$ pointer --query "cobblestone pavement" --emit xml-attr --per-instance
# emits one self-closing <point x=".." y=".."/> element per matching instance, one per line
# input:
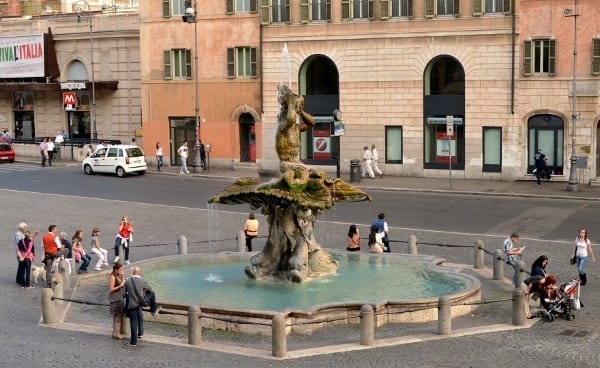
<point x="26" y="343"/>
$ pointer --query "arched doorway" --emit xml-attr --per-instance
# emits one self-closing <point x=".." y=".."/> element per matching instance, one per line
<point x="546" y="131"/>
<point x="79" y="118"/>
<point x="320" y="85"/>
<point x="247" y="138"/>
<point x="444" y="95"/>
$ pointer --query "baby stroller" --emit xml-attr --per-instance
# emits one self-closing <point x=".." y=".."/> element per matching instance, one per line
<point x="561" y="302"/>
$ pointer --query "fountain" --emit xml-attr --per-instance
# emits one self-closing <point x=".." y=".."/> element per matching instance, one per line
<point x="291" y="203"/>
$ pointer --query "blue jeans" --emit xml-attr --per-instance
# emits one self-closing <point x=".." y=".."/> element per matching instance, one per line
<point x="159" y="162"/>
<point x="85" y="262"/>
<point x="136" y="324"/>
<point x="581" y="263"/>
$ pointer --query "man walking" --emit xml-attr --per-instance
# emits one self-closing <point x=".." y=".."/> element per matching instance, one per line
<point x="374" y="159"/>
<point x="183" y="155"/>
<point x="540" y="165"/>
<point x="136" y="289"/>
<point x="366" y="164"/>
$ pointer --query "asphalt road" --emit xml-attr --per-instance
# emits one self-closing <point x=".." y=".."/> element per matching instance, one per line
<point x="164" y="207"/>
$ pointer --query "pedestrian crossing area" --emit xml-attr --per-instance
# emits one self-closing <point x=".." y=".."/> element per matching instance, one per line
<point x="7" y="167"/>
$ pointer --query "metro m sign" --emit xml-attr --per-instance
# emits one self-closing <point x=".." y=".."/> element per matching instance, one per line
<point x="69" y="100"/>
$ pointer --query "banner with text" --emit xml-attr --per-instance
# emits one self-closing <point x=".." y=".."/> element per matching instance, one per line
<point x="22" y="56"/>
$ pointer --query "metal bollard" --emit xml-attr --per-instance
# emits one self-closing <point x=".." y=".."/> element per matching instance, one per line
<point x="278" y="336"/>
<point x="63" y="268"/>
<point x="367" y="325"/>
<point x="241" y="241"/>
<point x="48" y="308"/>
<point x="182" y="245"/>
<point x="498" y="265"/>
<point x="479" y="254"/>
<point x="519" y="273"/>
<point x="194" y="325"/>
<point x="412" y="244"/>
<point x="518" y="307"/>
<point x="444" y="315"/>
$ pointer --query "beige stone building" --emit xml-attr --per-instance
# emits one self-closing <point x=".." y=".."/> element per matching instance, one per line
<point x="51" y="81"/>
<point x="399" y="70"/>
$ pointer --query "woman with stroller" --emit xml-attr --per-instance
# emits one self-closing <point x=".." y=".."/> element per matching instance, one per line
<point x="540" y="285"/>
<point x="538" y="268"/>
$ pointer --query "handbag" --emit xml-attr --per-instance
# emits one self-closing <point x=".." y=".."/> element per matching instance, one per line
<point x="573" y="260"/>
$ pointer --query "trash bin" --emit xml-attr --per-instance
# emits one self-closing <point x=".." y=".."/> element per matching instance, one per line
<point x="354" y="171"/>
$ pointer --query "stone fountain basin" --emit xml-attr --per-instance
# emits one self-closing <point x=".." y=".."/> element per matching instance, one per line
<point x="239" y="317"/>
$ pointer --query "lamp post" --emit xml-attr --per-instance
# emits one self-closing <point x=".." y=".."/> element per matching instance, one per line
<point x="93" y="112"/>
<point x="191" y="16"/>
<point x="573" y="185"/>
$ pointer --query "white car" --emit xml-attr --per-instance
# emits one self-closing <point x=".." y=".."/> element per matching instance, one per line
<point x="119" y="159"/>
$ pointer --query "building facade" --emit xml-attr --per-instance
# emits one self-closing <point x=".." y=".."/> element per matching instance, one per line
<point x="72" y="72"/>
<point x="401" y="70"/>
<point x="201" y="78"/>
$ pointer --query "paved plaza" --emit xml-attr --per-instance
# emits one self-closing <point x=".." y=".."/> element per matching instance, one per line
<point x="485" y="339"/>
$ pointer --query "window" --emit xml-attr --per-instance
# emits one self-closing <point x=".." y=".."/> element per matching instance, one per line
<point x="491" y="6"/>
<point x="173" y="7"/>
<point x="393" y="144"/>
<point x="280" y="11"/>
<point x="357" y="9"/>
<point x="241" y="6"/>
<point x="540" y="57"/>
<point x="315" y="10"/>
<point x="595" y="56"/>
<point x="546" y="132"/>
<point x="178" y="64"/>
<point x="241" y="62"/>
<point x="402" y="8"/>
<point x="441" y="7"/>
<point x="492" y="149"/>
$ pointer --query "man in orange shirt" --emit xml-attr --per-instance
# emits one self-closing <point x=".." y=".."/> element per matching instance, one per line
<point x="52" y="249"/>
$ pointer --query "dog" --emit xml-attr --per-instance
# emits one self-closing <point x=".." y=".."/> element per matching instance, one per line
<point x="37" y="273"/>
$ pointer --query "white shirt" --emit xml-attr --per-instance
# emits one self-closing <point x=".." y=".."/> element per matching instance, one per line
<point x="159" y="151"/>
<point x="183" y="151"/>
<point x="50" y="146"/>
<point x="581" y="246"/>
<point x="374" y="154"/>
<point x="367" y="155"/>
<point x="59" y="139"/>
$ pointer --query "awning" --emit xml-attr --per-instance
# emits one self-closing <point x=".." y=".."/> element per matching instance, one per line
<point x="56" y="86"/>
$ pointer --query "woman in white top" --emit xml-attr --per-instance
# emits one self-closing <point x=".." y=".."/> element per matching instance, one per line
<point x="159" y="155"/>
<point x="583" y="246"/>
<point x="375" y="240"/>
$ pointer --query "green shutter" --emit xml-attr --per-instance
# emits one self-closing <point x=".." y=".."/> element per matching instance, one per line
<point x="370" y="9"/>
<point x="527" y="65"/>
<point x="595" y="56"/>
<point x="168" y="70"/>
<point x="410" y="9"/>
<point x="253" y="62"/>
<point x="429" y="10"/>
<point x="457" y="8"/>
<point x="328" y="15"/>
<point x="188" y="64"/>
<point x="304" y="14"/>
<point x="166" y="8"/>
<point x="265" y="11"/>
<point x="346" y="9"/>
<point x="287" y="11"/>
<point x="230" y="62"/>
<point x="253" y="6"/>
<point x="230" y="7"/>
<point x="507" y="6"/>
<point x="384" y="9"/>
<point x="552" y="57"/>
<point x="477" y="8"/>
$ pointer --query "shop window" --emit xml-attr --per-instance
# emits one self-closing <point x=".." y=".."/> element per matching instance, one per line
<point x="393" y="144"/>
<point x="492" y="149"/>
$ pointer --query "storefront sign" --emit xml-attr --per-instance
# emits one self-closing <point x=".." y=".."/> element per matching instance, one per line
<point x="72" y="85"/>
<point x="69" y="101"/>
<point x="22" y="56"/>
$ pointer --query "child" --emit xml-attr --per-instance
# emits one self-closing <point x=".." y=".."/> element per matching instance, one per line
<point x="100" y="252"/>
<point x="79" y="252"/>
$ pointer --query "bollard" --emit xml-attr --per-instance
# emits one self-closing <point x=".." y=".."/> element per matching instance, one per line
<point x="412" y="244"/>
<point x="125" y="328"/>
<point x="278" y="336"/>
<point x="63" y="268"/>
<point x="444" y="315"/>
<point x="241" y="241"/>
<point x="194" y="325"/>
<point x="367" y="325"/>
<point x="182" y="245"/>
<point x="518" y="309"/>
<point x="519" y="276"/>
<point x="479" y="254"/>
<point x="498" y="265"/>
<point x="48" y="308"/>
<point x="58" y="287"/>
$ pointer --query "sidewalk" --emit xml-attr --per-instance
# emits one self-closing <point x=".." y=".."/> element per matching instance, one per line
<point x="556" y="189"/>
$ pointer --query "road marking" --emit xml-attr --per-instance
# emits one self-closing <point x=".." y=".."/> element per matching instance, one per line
<point x="7" y="167"/>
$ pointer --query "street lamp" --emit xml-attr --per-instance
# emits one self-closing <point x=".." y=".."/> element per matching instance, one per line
<point x="573" y="185"/>
<point x="89" y="11"/>
<point x="191" y="16"/>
